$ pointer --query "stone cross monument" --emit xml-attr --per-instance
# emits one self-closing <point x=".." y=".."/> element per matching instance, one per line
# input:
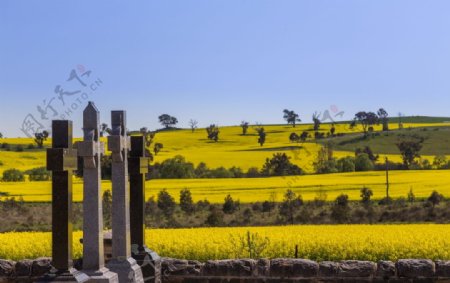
<point x="61" y="160"/>
<point x="148" y="260"/>
<point x="118" y="143"/>
<point x="90" y="150"/>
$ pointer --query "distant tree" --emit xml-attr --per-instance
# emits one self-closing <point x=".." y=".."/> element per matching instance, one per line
<point x="366" y="119"/>
<point x="325" y="162"/>
<point x="157" y="148"/>
<point x="294" y="137"/>
<point x="280" y="165"/>
<point x="366" y="195"/>
<point x="193" y="124"/>
<point x="340" y="211"/>
<point x="244" y="126"/>
<point x="176" y="168"/>
<point x="38" y="174"/>
<point x="411" y="196"/>
<point x="435" y="198"/>
<point x="13" y="175"/>
<point x="186" y="202"/>
<point x="40" y="138"/>
<point x="291" y="117"/>
<point x="440" y="162"/>
<point x="213" y="132"/>
<point x="261" y="135"/>
<point x="253" y="172"/>
<point x="215" y="217"/>
<point x="166" y="203"/>
<point x="202" y="170"/>
<point x="304" y="136"/>
<point x="1" y="135"/>
<point x="410" y="149"/>
<point x="346" y="164"/>
<point x="316" y="121"/>
<point x="104" y="129"/>
<point x="230" y="206"/>
<point x="363" y="163"/>
<point x="332" y="130"/>
<point x="167" y="121"/>
<point x="369" y="152"/>
<point x="291" y="203"/>
<point x="383" y="116"/>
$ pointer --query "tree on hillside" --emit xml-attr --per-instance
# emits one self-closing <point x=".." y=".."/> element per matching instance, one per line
<point x="213" y="132"/>
<point x="244" y="126"/>
<point x="368" y="150"/>
<point x="261" y="135"/>
<point x="157" y="148"/>
<point x="291" y="117"/>
<point x="291" y="203"/>
<point x="316" y="121"/>
<point x="280" y="165"/>
<point x="366" y="119"/>
<point x="167" y="121"/>
<point x="410" y="149"/>
<point x="186" y="202"/>
<point x="193" y="124"/>
<point x="40" y="138"/>
<point x="383" y="116"/>
<point x="304" y="136"/>
<point x="294" y="137"/>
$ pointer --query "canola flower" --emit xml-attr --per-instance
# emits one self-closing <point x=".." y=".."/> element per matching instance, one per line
<point x="320" y="243"/>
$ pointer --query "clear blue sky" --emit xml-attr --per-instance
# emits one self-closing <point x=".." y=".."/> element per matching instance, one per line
<point x="224" y="61"/>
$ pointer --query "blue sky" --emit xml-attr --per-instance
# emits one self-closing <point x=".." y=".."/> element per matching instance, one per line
<point x="224" y="61"/>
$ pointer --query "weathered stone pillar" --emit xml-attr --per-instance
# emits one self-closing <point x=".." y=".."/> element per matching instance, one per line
<point x="90" y="149"/>
<point x="61" y="160"/>
<point x="122" y="263"/>
<point x="148" y="260"/>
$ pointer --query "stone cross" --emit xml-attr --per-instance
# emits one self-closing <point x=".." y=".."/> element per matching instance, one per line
<point x="61" y="160"/>
<point x="90" y="150"/>
<point x="148" y="260"/>
<point x="118" y="143"/>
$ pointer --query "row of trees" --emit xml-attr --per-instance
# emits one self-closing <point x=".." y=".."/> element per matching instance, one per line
<point x="288" y="209"/>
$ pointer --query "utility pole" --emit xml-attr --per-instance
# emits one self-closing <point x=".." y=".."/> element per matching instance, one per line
<point x="387" y="179"/>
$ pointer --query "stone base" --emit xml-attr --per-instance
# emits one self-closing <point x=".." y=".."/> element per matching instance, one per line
<point x="103" y="275"/>
<point x="128" y="270"/>
<point x="72" y="275"/>
<point x="150" y="264"/>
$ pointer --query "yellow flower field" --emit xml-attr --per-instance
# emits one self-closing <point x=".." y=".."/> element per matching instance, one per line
<point x="346" y="242"/>
<point x="260" y="189"/>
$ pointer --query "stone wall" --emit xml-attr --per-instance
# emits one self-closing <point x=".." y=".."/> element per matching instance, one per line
<point x="276" y="270"/>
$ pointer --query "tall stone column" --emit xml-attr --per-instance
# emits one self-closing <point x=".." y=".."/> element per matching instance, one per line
<point x="91" y="149"/>
<point x="148" y="260"/>
<point x="122" y="263"/>
<point x="61" y="160"/>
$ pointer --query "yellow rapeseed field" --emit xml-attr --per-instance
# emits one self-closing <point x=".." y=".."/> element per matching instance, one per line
<point x="260" y="189"/>
<point x="346" y="242"/>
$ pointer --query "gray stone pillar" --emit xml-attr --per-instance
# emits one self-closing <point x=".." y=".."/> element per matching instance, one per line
<point x="122" y="263"/>
<point x="91" y="149"/>
<point x="148" y="260"/>
<point x="61" y="160"/>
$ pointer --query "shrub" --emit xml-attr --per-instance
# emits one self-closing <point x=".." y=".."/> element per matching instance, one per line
<point x="215" y="217"/>
<point x="176" y="168"/>
<point x="253" y="172"/>
<point x="39" y="174"/>
<point x="280" y="165"/>
<point x="221" y="172"/>
<point x="19" y="148"/>
<point x="435" y="198"/>
<point x="13" y="175"/>
<point x="346" y="164"/>
<point x="166" y="203"/>
<point x="186" y="203"/>
<point x="230" y="206"/>
<point x="363" y="163"/>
